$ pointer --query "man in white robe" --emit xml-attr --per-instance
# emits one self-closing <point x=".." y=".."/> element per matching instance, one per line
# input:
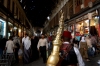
<point x="27" y="44"/>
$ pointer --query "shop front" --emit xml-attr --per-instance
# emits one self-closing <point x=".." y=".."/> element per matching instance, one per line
<point x="85" y="25"/>
<point x="19" y="31"/>
<point x="10" y="29"/>
<point x="2" y="28"/>
<point x="82" y="27"/>
<point x="88" y="26"/>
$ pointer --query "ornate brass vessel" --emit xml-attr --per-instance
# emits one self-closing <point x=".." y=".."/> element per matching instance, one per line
<point x="54" y="57"/>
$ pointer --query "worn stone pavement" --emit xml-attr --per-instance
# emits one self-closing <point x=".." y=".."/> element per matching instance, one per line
<point x="39" y="62"/>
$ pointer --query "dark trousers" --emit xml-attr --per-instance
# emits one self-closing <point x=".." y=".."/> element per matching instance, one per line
<point x="95" y="46"/>
<point x="16" y="54"/>
<point x="43" y="53"/>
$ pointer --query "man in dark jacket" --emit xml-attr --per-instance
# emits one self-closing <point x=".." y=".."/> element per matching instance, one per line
<point x="2" y="45"/>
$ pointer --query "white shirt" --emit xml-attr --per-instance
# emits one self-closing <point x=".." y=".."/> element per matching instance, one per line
<point x="26" y="42"/>
<point x="42" y="42"/>
<point x="16" y="40"/>
<point x="9" y="46"/>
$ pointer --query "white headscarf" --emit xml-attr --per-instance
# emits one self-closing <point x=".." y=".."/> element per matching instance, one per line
<point x="83" y="39"/>
<point x="27" y="42"/>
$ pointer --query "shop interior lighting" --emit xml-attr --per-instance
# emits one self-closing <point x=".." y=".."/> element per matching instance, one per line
<point x="4" y="26"/>
<point x="41" y="32"/>
<point x="9" y="23"/>
<point x="24" y="7"/>
<point x="96" y="11"/>
<point x="11" y="30"/>
<point x="82" y="24"/>
<point x="94" y="24"/>
<point x="97" y="17"/>
<point x="86" y="21"/>
<point x="15" y="28"/>
<point x="19" y="30"/>
<point x="9" y="34"/>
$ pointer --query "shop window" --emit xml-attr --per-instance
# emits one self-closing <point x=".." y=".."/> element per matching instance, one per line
<point x="79" y="28"/>
<point x="2" y="28"/>
<point x="10" y="29"/>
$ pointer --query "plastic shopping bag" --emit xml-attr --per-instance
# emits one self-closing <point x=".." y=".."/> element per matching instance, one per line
<point x="20" y="52"/>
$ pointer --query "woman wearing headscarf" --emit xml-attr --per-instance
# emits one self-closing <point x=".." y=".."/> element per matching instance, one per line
<point x="34" y="50"/>
<point x="83" y="48"/>
<point x="90" y="47"/>
<point x="27" y="44"/>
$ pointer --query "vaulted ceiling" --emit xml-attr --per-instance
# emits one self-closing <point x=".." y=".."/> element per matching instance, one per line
<point x="37" y="11"/>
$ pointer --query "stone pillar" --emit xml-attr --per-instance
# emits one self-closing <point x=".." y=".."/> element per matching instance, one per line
<point x="89" y="17"/>
<point x="99" y="20"/>
<point x="11" y="5"/>
<point x="74" y="6"/>
<point x="74" y="27"/>
<point x="7" y="27"/>
<point x="5" y="3"/>
<point x="15" y="8"/>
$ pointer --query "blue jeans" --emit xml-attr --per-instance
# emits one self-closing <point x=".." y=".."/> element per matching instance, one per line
<point x="91" y="51"/>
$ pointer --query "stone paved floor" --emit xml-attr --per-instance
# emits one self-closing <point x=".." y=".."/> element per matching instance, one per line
<point x="39" y="62"/>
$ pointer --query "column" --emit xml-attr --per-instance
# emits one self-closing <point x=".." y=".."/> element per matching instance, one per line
<point x="89" y="17"/>
<point x="7" y="27"/>
<point x="74" y="28"/>
<point x="15" y="9"/>
<point x="5" y="3"/>
<point x="99" y="20"/>
<point x="11" y="5"/>
<point x="74" y="6"/>
<point x="68" y="15"/>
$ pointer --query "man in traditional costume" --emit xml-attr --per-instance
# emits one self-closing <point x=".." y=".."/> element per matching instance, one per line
<point x="73" y="53"/>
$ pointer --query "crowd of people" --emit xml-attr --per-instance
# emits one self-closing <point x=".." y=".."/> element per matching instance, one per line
<point x="32" y="47"/>
<point x="81" y="50"/>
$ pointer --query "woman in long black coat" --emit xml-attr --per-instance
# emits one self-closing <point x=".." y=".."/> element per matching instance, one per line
<point x="34" y="50"/>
